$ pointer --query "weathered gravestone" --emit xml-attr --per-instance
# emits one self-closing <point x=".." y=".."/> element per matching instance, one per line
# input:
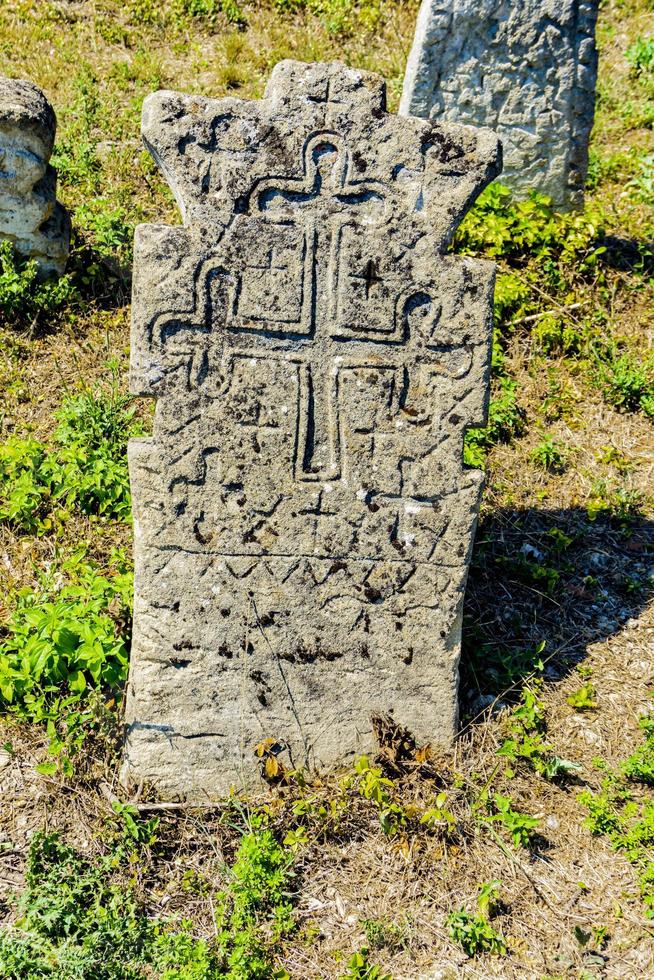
<point x="527" y="70"/>
<point x="30" y="216"/>
<point x="303" y="520"/>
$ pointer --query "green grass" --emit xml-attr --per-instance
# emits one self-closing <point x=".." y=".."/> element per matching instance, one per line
<point x="26" y="298"/>
<point x="84" y="469"/>
<point x="81" y="919"/>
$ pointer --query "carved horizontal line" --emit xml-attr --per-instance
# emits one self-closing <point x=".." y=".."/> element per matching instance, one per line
<point x="169" y="731"/>
<point x="295" y="557"/>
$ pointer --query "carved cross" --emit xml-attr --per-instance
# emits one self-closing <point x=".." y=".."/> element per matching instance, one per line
<point x="323" y="201"/>
<point x="319" y="204"/>
<point x="368" y="276"/>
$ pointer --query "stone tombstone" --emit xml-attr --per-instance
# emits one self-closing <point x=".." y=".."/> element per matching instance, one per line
<point x="527" y="70"/>
<point x="303" y="520"/>
<point x="30" y="216"/>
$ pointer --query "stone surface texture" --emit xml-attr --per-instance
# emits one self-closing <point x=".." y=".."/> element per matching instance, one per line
<point x="30" y="216"/>
<point x="303" y="521"/>
<point x="527" y="70"/>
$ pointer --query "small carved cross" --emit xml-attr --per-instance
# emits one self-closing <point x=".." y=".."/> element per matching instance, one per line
<point x="369" y="276"/>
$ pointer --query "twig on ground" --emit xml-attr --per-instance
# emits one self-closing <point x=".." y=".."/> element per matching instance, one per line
<point x="538" y="316"/>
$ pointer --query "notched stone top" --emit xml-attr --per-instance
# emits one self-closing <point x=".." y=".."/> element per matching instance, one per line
<point x="210" y="150"/>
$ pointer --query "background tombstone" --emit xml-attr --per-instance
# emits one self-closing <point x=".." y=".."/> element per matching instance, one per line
<point x="303" y="521"/>
<point x="30" y="216"/>
<point x="528" y="70"/>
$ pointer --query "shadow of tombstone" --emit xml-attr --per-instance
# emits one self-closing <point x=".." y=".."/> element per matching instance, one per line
<point x="543" y="586"/>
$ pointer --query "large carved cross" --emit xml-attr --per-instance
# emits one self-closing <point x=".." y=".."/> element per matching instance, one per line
<point x="283" y="305"/>
<point x="322" y="201"/>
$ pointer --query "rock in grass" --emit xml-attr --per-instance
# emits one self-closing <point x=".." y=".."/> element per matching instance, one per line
<point x="30" y="216"/>
<point x="528" y="70"/>
<point x="303" y="520"/>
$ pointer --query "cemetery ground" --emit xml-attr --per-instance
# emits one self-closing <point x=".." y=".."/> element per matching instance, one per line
<point x="525" y="852"/>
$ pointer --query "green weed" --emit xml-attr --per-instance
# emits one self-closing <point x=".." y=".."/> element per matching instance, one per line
<point x="549" y="455"/>
<point x="145" y="12"/>
<point x="640" y="55"/>
<point x="519" y="825"/>
<point x="86" y="469"/>
<point x="558" y="541"/>
<point x="543" y="577"/>
<point x="474" y="931"/>
<point x="101" y="420"/>
<point x="27" y="476"/>
<point x="505" y="421"/>
<point x="257" y="899"/>
<point x="640" y="765"/>
<point x="339" y="17"/>
<point x="584" y="699"/>
<point x="134" y="833"/>
<point x="142" y="72"/>
<point x="25" y="297"/>
<point x="641" y="184"/>
<point x="638" y="113"/>
<point x="555" y="333"/>
<point x="372" y="785"/>
<point x="439" y="816"/>
<point x="503" y="228"/>
<point x="606" y="166"/>
<point x="627" y="824"/>
<point x="322" y="815"/>
<point x="499" y="666"/>
<point x="77" y="919"/>
<point x="62" y="644"/>
<point x="627" y="382"/>
<point x="359" y="967"/>
<point x="513" y="298"/>
<point x="210" y="9"/>
<point x="560" y="399"/>
<point x="75" y="156"/>
<point x="620" y="504"/>
<point x="179" y="14"/>
<point x="109" y="228"/>
<point x="384" y="935"/>
<point x="610" y="456"/>
<point x="527" y="742"/>
<point x="547" y="263"/>
<point x="73" y="921"/>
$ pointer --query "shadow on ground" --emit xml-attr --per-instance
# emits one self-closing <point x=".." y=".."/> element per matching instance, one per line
<point x="544" y="584"/>
<point x="628" y="254"/>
